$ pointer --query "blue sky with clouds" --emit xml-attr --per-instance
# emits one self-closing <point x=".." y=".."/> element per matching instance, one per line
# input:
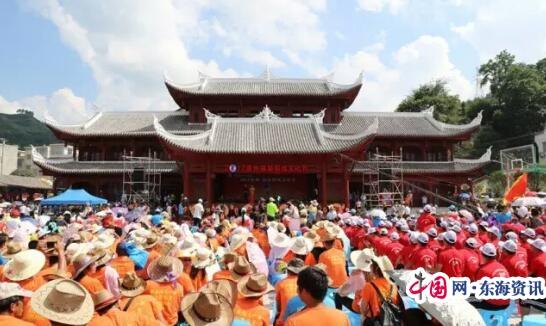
<point x="71" y="57"/>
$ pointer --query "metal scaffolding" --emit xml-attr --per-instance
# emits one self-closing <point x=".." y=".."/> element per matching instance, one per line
<point x="383" y="182"/>
<point x="141" y="179"/>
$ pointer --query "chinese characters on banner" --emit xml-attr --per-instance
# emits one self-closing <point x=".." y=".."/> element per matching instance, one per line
<point x="439" y="287"/>
<point x="270" y="168"/>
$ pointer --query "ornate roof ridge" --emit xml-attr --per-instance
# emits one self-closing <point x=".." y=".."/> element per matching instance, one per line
<point x="486" y="157"/>
<point x="371" y="130"/>
<point x="164" y="134"/>
<point x="271" y="78"/>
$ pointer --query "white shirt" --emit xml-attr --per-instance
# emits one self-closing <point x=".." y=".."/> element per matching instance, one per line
<point x="198" y="210"/>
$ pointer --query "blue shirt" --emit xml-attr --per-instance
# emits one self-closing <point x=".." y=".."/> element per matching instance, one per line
<point x="296" y="304"/>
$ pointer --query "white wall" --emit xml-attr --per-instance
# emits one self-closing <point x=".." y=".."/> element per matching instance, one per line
<point x="8" y="158"/>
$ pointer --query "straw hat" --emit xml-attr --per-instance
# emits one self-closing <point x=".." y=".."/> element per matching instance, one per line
<point x="12" y="248"/>
<point x="187" y="248"/>
<point x="75" y="249"/>
<point x="296" y="265"/>
<point x="281" y="240"/>
<point x="81" y="262"/>
<point x="131" y="285"/>
<point x="24" y="265"/>
<point x="104" y="240"/>
<point x="103" y="299"/>
<point x="63" y="301"/>
<point x="56" y="275"/>
<point x="203" y="258"/>
<point x="8" y="290"/>
<point x="206" y="308"/>
<point x="210" y="233"/>
<point x="200" y="238"/>
<point x="241" y="268"/>
<point x="103" y="256"/>
<point x="150" y="241"/>
<point x="362" y="259"/>
<point x="254" y="285"/>
<point x="237" y="240"/>
<point x="302" y="246"/>
<point x="312" y="235"/>
<point x="226" y="288"/>
<point x="329" y="234"/>
<point x="165" y="268"/>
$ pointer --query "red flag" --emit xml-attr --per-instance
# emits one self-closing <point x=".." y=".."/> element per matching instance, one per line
<point x="517" y="190"/>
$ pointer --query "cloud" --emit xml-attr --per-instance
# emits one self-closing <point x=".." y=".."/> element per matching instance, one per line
<point x="62" y="104"/>
<point x="416" y="63"/>
<point x="129" y="44"/>
<point x="393" y="6"/>
<point x="505" y="24"/>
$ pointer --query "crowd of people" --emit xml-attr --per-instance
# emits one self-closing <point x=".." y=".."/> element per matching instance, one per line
<point x="272" y="263"/>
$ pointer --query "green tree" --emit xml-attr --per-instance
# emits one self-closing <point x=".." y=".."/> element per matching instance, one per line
<point x="447" y="107"/>
<point x="517" y="94"/>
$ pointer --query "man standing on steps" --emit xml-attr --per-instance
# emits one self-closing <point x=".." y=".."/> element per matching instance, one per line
<point x="198" y="211"/>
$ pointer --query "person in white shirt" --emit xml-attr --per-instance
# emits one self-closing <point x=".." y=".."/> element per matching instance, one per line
<point x="198" y="211"/>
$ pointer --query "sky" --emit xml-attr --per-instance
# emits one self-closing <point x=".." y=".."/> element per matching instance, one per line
<point x="68" y="59"/>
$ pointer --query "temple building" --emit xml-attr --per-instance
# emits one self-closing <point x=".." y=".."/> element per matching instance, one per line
<point x="235" y="139"/>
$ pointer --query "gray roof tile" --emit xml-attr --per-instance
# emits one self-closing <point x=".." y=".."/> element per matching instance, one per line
<point x="398" y="124"/>
<point x="130" y="123"/>
<point x="265" y="86"/>
<point x="266" y="134"/>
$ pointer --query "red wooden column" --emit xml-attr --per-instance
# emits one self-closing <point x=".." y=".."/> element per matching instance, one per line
<point x="324" y="185"/>
<point x="208" y="184"/>
<point x="346" y="199"/>
<point x="186" y="180"/>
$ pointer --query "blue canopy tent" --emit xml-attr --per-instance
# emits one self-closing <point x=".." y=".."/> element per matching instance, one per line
<point x="74" y="197"/>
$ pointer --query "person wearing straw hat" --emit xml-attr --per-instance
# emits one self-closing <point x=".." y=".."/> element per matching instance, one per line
<point x="376" y="289"/>
<point x="251" y="289"/>
<point x="85" y="266"/>
<point x="198" y="273"/>
<point x="362" y="260"/>
<point x="206" y="308"/>
<point x="134" y="300"/>
<point x="151" y="246"/>
<point x="64" y="302"/>
<point x="301" y="248"/>
<point x="108" y="312"/>
<point x="260" y="234"/>
<point x="225" y="262"/>
<point x="213" y="305"/>
<point x="163" y="285"/>
<point x="312" y="287"/>
<point x="24" y="268"/>
<point x="11" y="304"/>
<point x="334" y="259"/>
<point x="287" y="289"/>
<point x="105" y="273"/>
<point x="237" y="243"/>
<point x="240" y="268"/>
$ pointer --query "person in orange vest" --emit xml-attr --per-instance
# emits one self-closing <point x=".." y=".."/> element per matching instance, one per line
<point x="11" y="304"/>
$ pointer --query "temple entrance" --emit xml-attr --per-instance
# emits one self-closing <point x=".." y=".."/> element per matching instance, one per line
<point x="240" y="188"/>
